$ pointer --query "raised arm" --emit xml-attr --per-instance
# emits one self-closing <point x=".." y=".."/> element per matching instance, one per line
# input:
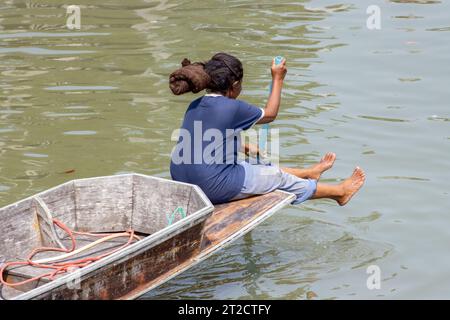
<point x="273" y="104"/>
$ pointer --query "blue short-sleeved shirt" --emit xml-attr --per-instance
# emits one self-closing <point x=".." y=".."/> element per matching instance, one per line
<point x="207" y="150"/>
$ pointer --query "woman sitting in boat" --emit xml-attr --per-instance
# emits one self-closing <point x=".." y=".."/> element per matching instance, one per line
<point x="207" y="149"/>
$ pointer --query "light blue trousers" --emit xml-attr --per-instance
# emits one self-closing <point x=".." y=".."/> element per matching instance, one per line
<point x="262" y="179"/>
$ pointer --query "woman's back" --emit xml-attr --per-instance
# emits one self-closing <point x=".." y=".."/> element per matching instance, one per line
<point x="207" y="150"/>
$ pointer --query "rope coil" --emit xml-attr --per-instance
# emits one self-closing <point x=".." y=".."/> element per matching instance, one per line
<point x="57" y="264"/>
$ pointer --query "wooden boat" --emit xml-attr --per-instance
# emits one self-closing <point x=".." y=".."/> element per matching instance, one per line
<point x="176" y="223"/>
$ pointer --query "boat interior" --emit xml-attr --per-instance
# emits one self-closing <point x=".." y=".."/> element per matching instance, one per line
<point x="107" y="209"/>
<point x="90" y="209"/>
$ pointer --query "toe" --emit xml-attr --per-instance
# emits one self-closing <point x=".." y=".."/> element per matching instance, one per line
<point x="333" y="156"/>
<point x="329" y="157"/>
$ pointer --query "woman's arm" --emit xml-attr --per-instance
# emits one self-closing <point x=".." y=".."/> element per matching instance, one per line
<point x="273" y="104"/>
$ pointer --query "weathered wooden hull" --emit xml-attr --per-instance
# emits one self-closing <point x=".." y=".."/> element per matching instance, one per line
<point x="164" y="254"/>
<point x="105" y="204"/>
<point x="115" y="279"/>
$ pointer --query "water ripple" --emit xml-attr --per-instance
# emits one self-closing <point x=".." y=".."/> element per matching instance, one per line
<point x="42" y="51"/>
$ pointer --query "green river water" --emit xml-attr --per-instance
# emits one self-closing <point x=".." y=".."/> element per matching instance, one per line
<point x="96" y="101"/>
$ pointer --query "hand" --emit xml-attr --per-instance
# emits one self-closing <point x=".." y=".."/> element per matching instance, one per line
<point x="279" y="71"/>
<point x="251" y="150"/>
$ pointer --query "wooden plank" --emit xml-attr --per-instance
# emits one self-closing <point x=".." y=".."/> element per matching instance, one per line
<point x="19" y="230"/>
<point x="229" y="218"/>
<point x="61" y="202"/>
<point x="49" y="236"/>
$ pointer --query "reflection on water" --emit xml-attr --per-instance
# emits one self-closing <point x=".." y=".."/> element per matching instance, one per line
<point x="79" y="88"/>
<point x="49" y="34"/>
<point x="95" y="101"/>
<point x="287" y="253"/>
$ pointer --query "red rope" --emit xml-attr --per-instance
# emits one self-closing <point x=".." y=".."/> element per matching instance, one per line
<point x="60" y="267"/>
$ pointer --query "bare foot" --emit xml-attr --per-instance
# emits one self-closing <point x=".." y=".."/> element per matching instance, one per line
<point x="351" y="185"/>
<point x="325" y="163"/>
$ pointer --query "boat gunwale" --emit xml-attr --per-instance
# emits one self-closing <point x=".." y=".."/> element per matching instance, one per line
<point x="130" y="251"/>
<point x="103" y="177"/>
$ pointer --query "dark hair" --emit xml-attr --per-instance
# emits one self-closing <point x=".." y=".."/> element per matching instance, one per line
<point x="223" y="70"/>
<point x="216" y="75"/>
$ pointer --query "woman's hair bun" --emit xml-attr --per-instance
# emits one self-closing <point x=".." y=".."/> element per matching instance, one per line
<point x="217" y="75"/>
<point x="189" y="78"/>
